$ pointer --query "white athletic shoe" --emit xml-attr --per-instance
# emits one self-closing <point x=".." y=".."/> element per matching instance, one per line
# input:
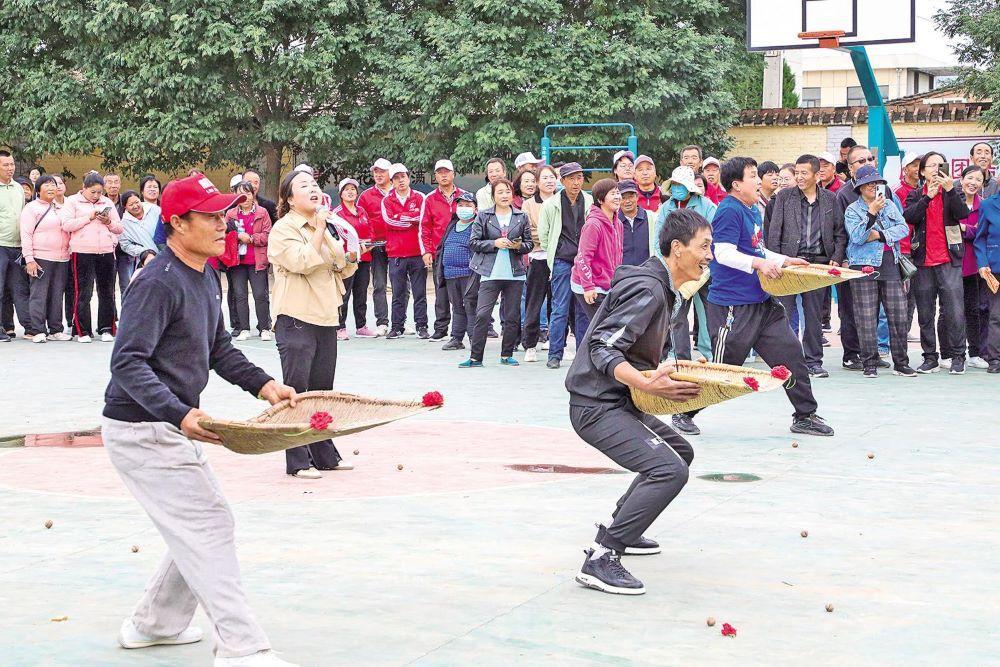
<point x="568" y="353"/>
<point x="60" y="337"/>
<point x="530" y="355"/>
<point x="84" y="339"/>
<point x="409" y="330"/>
<point x="266" y="658"/>
<point x="129" y="637"/>
<point x="344" y="466"/>
<point x="977" y="362"/>
<point x="107" y="338"/>
<point x="266" y="335"/>
<point x="308" y="473"/>
<point x="545" y="345"/>
<point x="944" y="363"/>
<point x="38" y="338"/>
<point x="244" y="335"/>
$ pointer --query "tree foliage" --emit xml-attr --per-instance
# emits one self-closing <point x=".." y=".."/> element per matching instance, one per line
<point x="174" y="83"/>
<point x="975" y="28"/>
<point x="749" y="90"/>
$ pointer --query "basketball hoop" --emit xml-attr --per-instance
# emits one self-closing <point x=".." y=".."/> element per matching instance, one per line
<point x="828" y="39"/>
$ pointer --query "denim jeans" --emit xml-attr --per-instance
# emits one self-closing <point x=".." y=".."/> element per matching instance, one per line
<point x="561" y="299"/>
<point x="882" y="331"/>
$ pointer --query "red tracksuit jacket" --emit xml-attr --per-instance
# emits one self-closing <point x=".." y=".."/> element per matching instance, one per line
<point x="650" y="201"/>
<point x="402" y="224"/>
<point x="371" y="201"/>
<point x="437" y="214"/>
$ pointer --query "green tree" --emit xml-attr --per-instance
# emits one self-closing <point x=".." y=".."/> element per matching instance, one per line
<point x="174" y="83"/>
<point x="975" y="29"/>
<point x="749" y="93"/>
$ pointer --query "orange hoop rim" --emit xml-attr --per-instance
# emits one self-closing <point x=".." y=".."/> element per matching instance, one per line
<point x="828" y="39"/>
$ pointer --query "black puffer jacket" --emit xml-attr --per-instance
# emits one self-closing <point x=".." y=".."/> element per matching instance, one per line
<point x="633" y="325"/>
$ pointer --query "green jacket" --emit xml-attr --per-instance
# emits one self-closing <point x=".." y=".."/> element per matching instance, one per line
<point x="550" y="223"/>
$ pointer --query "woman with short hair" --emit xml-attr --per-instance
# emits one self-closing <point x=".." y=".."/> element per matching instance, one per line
<point x="525" y="187"/>
<point x="92" y="222"/>
<point x="501" y="235"/>
<point x="973" y="286"/>
<point x="356" y="286"/>
<point x="308" y="260"/>
<point x="45" y="246"/>
<point x="537" y="290"/>
<point x="139" y="220"/>
<point x="253" y="226"/>
<point x="600" y="249"/>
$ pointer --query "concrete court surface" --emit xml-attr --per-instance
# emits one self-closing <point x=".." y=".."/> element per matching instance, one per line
<point x="459" y="560"/>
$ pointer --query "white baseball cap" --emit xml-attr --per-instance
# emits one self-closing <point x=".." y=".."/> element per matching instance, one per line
<point x="235" y="180"/>
<point x="444" y="164"/>
<point x="527" y="158"/>
<point x="382" y="164"/>
<point x="347" y="181"/>
<point x="644" y="158"/>
<point x="827" y="157"/>
<point x="682" y="175"/>
<point x="397" y="168"/>
<point x="305" y="169"/>
<point x="620" y="154"/>
<point x="711" y="160"/>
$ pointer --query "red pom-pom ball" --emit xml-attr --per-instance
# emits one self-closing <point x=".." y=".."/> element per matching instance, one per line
<point x="320" y="421"/>
<point x="752" y="382"/>
<point x="432" y="399"/>
<point x="868" y="270"/>
<point x="728" y="630"/>
<point x="834" y="272"/>
<point x="781" y="373"/>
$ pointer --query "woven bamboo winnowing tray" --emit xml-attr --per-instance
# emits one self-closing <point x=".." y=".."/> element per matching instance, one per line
<point x="282" y="427"/>
<point x="719" y="382"/>
<point x="798" y="279"/>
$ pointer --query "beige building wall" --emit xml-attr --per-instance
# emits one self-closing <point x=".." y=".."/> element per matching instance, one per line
<point x="833" y="84"/>
<point x="785" y="143"/>
<point x="75" y="166"/>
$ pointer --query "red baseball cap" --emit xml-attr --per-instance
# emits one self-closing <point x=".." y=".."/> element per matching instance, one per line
<point x="195" y="193"/>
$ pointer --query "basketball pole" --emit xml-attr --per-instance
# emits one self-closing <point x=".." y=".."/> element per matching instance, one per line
<point x="881" y="136"/>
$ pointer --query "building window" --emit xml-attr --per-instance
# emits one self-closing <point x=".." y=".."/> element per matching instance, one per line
<point x="856" y="98"/>
<point x="810" y="97"/>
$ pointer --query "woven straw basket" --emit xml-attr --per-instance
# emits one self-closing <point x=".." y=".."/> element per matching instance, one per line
<point x="719" y="382"/>
<point x="798" y="279"/>
<point x="282" y="427"/>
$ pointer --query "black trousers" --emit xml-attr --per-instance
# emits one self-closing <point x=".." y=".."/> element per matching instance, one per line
<point x="89" y="269"/>
<point x="977" y="311"/>
<point x="537" y="289"/>
<point x="590" y="309"/>
<point x="308" y="363"/>
<point x="510" y="315"/>
<point x="812" y="327"/>
<point x="442" y="300"/>
<point x="357" y="286"/>
<point x="934" y="286"/>
<point x="848" y="329"/>
<point x="868" y="295"/>
<point x="242" y="279"/>
<point x="646" y="446"/>
<point x="762" y="327"/>
<point x="463" y="294"/>
<point x="408" y="273"/>
<point x="13" y="290"/>
<point x="379" y="279"/>
<point x="827" y="305"/>
<point x="46" y="297"/>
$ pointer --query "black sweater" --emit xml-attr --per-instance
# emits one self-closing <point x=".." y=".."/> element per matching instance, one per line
<point x="171" y="333"/>
<point x="633" y="325"/>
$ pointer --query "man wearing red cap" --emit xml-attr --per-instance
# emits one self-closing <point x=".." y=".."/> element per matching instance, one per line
<point x="371" y="201"/>
<point x="170" y="335"/>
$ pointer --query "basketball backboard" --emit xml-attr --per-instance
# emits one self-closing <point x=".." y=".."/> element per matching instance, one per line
<point x="776" y="24"/>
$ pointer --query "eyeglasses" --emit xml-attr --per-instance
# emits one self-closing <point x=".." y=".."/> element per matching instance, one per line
<point x="870" y="158"/>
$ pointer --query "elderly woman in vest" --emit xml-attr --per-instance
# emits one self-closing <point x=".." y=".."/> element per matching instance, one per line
<point x="310" y="266"/>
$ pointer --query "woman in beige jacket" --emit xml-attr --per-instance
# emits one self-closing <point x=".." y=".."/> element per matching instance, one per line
<point x="310" y="265"/>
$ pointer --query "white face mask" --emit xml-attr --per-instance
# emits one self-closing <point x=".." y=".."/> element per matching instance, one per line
<point x="465" y="213"/>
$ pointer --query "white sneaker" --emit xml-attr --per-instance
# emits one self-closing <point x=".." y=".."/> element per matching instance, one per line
<point x="569" y="353"/>
<point x="344" y="466"/>
<point x="129" y="637"/>
<point x="266" y="335"/>
<point x="544" y="345"/>
<point x="266" y="658"/>
<point x="61" y="337"/>
<point x="244" y="335"/>
<point x="530" y="356"/>
<point x="107" y="338"/>
<point x="38" y="338"/>
<point x="381" y="331"/>
<point x="977" y="362"/>
<point x="308" y="473"/>
<point x="84" y="339"/>
<point x="944" y="363"/>
<point x="409" y="330"/>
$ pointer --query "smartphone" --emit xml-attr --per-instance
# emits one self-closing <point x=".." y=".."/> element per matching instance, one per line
<point x="942" y="172"/>
<point x="880" y="190"/>
<point x="105" y="211"/>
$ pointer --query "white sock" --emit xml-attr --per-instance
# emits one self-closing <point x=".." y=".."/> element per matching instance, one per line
<point x="598" y="551"/>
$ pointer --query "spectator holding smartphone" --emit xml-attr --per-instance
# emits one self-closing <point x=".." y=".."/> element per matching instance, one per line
<point x="973" y="288"/>
<point x="93" y="224"/>
<point x="935" y="210"/>
<point x="45" y="247"/>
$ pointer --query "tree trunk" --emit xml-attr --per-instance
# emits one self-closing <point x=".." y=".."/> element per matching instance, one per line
<point x="272" y="170"/>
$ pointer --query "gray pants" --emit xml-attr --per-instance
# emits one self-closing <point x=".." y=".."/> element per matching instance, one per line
<point x="170" y="477"/>
<point x="45" y="298"/>
<point x="645" y="445"/>
<point x="941" y="286"/>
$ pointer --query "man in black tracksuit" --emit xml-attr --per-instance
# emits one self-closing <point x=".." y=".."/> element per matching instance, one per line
<point x="628" y="335"/>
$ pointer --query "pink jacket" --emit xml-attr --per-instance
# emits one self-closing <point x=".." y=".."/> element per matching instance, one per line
<point x="42" y="235"/>
<point x="599" y="252"/>
<point x="87" y="235"/>
<point x="261" y="230"/>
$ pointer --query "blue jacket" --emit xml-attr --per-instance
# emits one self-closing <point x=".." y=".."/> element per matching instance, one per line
<point x="987" y="242"/>
<point x="696" y="203"/>
<point x="859" y="222"/>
